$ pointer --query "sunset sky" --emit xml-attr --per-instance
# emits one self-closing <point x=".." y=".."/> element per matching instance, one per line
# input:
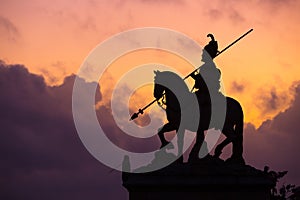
<point x="53" y="38"/>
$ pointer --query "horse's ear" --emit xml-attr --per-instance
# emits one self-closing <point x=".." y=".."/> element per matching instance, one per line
<point x="156" y="72"/>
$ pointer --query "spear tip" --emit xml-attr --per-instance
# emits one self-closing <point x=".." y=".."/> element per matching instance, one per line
<point x="134" y="116"/>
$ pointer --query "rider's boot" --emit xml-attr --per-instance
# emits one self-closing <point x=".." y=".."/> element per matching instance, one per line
<point x="163" y="141"/>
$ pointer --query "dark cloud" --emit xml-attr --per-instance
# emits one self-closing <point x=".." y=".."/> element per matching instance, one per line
<point x="229" y="11"/>
<point x="237" y="87"/>
<point x="8" y="29"/>
<point x="215" y="14"/>
<point x="276" y="142"/>
<point x="278" y="4"/>
<point x="41" y="154"/>
<point x="236" y="16"/>
<point x="271" y="101"/>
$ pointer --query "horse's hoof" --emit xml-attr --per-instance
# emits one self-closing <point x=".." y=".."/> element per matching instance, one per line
<point x="235" y="161"/>
<point x="217" y="154"/>
<point x="208" y="157"/>
<point x="179" y="160"/>
<point x="193" y="159"/>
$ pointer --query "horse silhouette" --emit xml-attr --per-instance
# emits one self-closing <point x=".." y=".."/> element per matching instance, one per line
<point x="193" y="111"/>
<point x="180" y="106"/>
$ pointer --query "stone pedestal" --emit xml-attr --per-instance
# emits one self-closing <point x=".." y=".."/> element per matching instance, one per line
<point x="202" y="181"/>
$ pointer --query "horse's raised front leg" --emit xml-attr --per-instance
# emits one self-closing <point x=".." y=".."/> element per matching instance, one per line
<point x="165" y="128"/>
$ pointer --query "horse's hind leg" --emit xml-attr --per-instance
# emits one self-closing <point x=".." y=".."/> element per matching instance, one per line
<point x="237" y="148"/>
<point x="180" y="141"/>
<point x="220" y="147"/>
<point x="194" y="154"/>
<point x="237" y="151"/>
<point x="167" y="127"/>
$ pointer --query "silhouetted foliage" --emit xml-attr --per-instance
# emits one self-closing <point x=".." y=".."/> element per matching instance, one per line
<point x="285" y="192"/>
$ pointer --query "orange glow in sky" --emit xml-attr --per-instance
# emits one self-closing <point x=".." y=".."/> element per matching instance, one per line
<point x="52" y="38"/>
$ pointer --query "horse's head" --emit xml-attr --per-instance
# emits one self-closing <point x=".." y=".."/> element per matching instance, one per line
<point x="158" y="88"/>
<point x="170" y="83"/>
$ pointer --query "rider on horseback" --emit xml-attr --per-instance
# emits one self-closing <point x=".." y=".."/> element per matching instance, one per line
<point x="207" y="81"/>
<point x="215" y="110"/>
<point x="208" y="69"/>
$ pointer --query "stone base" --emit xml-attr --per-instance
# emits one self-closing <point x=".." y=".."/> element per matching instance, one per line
<point x="208" y="181"/>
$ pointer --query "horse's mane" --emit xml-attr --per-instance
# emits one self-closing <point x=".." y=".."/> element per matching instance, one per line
<point x="172" y="79"/>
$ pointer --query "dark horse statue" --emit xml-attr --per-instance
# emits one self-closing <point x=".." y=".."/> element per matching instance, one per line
<point x="186" y="113"/>
<point x="180" y="106"/>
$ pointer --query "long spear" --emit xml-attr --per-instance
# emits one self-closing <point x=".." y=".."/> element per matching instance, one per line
<point x="141" y="111"/>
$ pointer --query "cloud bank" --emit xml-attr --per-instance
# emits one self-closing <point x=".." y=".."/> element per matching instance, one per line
<point x="42" y="156"/>
<point x="276" y="142"/>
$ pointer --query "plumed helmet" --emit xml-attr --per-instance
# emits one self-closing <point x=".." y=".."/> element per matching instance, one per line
<point x="212" y="47"/>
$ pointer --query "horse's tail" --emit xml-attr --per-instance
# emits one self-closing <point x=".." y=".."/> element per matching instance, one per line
<point x="240" y="121"/>
<point x="235" y="112"/>
<point x="239" y="129"/>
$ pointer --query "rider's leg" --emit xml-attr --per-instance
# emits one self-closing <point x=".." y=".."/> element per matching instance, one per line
<point x="167" y="127"/>
<point x="163" y="141"/>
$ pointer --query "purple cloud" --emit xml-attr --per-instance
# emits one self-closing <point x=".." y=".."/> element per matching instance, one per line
<point x="41" y="154"/>
<point x="271" y="101"/>
<point x="276" y="142"/>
